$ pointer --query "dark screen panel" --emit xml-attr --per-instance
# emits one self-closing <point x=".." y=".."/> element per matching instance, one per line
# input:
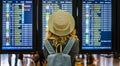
<point x="96" y="24"/>
<point x="17" y="25"/>
<point x="117" y="48"/>
<point x="50" y="6"/>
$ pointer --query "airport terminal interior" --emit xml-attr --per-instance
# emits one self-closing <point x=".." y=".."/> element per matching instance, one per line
<point x="24" y="26"/>
<point x="100" y="60"/>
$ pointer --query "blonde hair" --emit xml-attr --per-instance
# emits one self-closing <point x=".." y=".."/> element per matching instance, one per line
<point x="60" y="39"/>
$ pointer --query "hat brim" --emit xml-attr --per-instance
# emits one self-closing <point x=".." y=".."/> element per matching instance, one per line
<point x="61" y="33"/>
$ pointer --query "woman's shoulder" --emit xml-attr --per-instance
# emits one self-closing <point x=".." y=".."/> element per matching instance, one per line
<point x="76" y="40"/>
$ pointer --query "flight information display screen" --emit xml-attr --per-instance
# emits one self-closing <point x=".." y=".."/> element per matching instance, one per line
<point x="17" y="24"/>
<point x="96" y="24"/>
<point x="50" y="6"/>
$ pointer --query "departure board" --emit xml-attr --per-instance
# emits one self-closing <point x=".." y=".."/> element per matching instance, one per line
<point x="96" y="24"/>
<point x="17" y="24"/>
<point x="50" y="6"/>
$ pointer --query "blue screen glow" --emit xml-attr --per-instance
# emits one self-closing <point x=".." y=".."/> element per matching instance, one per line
<point x="50" y="6"/>
<point x="96" y="24"/>
<point x="17" y="25"/>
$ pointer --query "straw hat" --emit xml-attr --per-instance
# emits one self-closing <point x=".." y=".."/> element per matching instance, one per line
<point x="61" y="23"/>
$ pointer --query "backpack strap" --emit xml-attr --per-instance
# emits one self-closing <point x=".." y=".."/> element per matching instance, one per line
<point x="49" y="47"/>
<point x="69" y="46"/>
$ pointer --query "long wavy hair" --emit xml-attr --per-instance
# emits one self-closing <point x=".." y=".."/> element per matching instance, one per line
<point x="60" y="39"/>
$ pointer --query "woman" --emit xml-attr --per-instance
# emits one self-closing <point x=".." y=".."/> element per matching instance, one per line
<point x="61" y="27"/>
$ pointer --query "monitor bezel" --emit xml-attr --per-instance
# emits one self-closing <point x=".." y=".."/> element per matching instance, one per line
<point x="79" y="22"/>
<point x="118" y="27"/>
<point x="74" y="9"/>
<point x="34" y="28"/>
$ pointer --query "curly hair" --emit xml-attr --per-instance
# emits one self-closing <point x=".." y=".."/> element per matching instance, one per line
<point x="60" y="39"/>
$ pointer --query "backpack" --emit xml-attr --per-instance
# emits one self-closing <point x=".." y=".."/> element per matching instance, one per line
<point x="59" y="59"/>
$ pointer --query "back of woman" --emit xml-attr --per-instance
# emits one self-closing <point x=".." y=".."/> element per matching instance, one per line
<point x="61" y="28"/>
